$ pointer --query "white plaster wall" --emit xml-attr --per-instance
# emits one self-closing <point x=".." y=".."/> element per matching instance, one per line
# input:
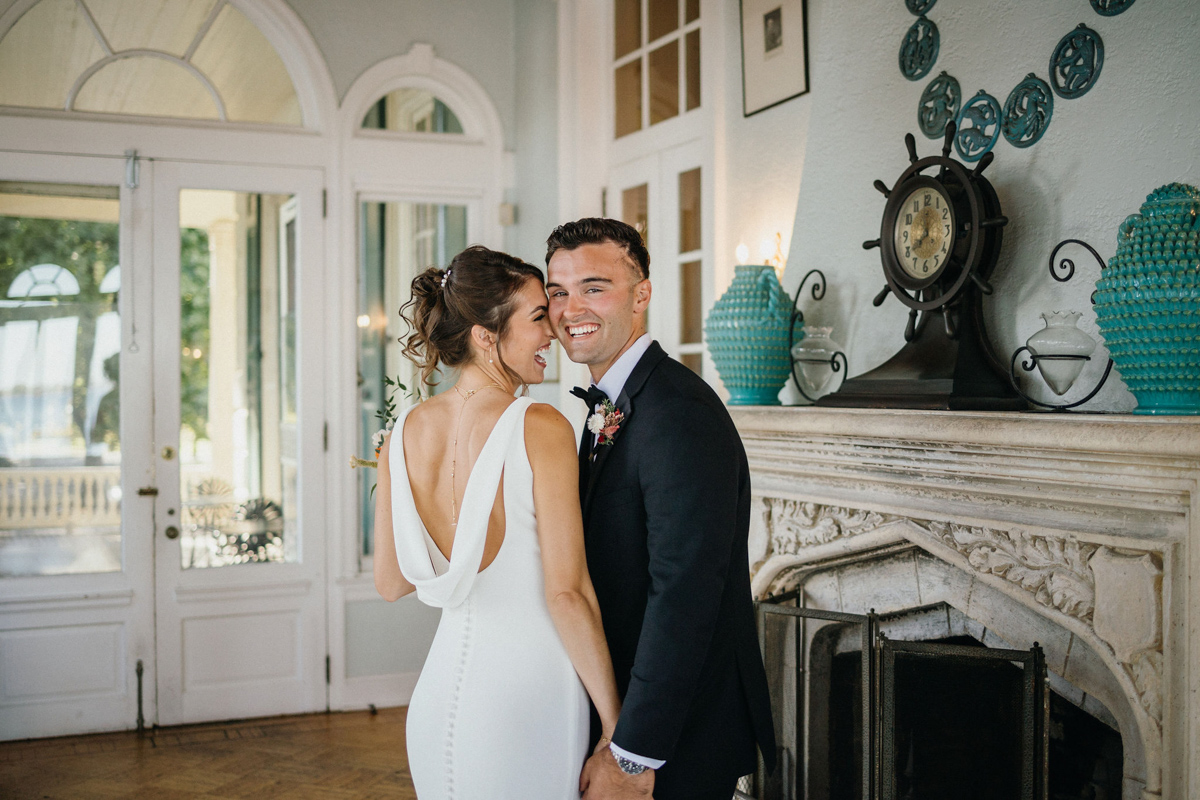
<point x="761" y="159"/>
<point x="1102" y="154"/>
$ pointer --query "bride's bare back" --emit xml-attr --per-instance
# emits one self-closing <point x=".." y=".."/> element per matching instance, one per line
<point x="429" y="453"/>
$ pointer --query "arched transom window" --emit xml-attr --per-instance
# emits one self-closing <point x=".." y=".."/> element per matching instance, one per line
<point x="192" y="59"/>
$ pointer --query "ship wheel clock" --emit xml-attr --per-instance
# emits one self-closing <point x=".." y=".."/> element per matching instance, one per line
<point x="939" y="242"/>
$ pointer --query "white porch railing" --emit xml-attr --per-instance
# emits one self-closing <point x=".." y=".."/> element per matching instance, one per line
<point x="60" y="497"/>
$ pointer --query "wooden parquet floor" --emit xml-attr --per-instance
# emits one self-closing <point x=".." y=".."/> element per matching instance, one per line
<point x="344" y="756"/>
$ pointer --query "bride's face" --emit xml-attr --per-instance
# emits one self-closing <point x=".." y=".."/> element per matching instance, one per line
<point x="527" y="342"/>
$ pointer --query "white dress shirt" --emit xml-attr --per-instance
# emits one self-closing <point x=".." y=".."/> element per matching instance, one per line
<point x="612" y="383"/>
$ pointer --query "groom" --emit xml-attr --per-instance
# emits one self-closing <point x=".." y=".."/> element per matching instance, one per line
<point x="666" y="514"/>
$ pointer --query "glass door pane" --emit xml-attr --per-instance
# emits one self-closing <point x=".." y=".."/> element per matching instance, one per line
<point x="399" y="240"/>
<point x="60" y="345"/>
<point x="237" y="438"/>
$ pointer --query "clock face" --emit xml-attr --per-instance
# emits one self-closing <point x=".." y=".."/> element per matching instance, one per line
<point x="924" y="233"/>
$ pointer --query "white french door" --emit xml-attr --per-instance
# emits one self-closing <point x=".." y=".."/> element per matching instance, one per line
<point x="76" y="439"/>
<point x="662" y="194"/>
<point x="162" y="502"/>
<point x="239" y="427"/>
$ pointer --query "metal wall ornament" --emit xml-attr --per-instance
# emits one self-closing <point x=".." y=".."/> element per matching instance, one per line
<point x="940" y="103"/>
<point x="1059" y="366"/>
<point x="1027" y="111"/>
<point x="919" y="7"/>
<point x="978" y="127"/>
<point x="1110" y="8"/>
<point x="1076" y="62"/>
<point x="919" y="50"/>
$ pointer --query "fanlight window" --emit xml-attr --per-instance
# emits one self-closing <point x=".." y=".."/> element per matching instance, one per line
<point x="192" y="59"/>
<point x="411" y="111"/>
<point x="43" y="280"/>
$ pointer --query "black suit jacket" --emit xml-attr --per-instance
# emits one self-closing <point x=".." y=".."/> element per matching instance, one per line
<point x="666" y="511"/>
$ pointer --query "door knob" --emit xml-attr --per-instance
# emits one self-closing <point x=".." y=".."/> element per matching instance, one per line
<point x="172" y="532"/>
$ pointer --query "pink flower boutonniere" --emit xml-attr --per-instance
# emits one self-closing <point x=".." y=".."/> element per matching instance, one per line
<point x="605" y="422"/>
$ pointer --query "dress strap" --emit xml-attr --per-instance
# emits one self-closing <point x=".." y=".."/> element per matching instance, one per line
<point x="466" y="554"/>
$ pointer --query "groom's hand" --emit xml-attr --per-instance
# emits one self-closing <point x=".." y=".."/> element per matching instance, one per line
<point x="602" y="779"/>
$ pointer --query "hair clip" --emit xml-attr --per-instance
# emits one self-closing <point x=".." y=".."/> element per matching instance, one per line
<point x="445" y="278"/>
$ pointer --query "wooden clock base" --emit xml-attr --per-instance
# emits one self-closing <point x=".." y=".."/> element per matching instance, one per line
<point x="933" y="372"/>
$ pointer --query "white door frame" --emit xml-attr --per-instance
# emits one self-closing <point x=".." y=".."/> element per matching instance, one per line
<point x="276" y="604"/>
<point x="70" y="644"/>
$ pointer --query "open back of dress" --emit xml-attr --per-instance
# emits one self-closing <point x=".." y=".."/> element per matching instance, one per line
<point x="498" y="711"/>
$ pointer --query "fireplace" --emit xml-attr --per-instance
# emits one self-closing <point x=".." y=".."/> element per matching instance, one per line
<point x="982" y="531"/>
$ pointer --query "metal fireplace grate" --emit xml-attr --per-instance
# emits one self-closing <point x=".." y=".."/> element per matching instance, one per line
<point x="883" y="750"/>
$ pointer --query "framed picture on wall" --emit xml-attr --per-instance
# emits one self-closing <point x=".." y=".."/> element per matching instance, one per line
<point x="774" y="53"/>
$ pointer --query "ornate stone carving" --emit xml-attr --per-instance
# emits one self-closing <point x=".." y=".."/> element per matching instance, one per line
<point x="1118" y="595"/>
<point x="795" y="524"/>
<point x="1146" y="672"/>
<point x="1054" y="570"/>
<point x="1128" y="608"/>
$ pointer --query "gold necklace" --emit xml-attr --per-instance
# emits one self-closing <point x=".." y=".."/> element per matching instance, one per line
<point x="465" y="395"/>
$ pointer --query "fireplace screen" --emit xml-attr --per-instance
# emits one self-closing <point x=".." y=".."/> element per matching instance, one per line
<point x="860" y="716"/>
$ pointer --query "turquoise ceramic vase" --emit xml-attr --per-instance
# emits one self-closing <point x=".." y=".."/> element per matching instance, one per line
<point x="1148" y="302"/>
<point x="747" y="335"/>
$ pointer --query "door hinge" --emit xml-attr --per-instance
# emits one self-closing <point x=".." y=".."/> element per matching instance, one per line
<point x="148" y="491"/>
<point x="133" y="169"/>
<point x="325" y="437"/>
<point x="328" y="671"/>
<point x="324" y="203"/>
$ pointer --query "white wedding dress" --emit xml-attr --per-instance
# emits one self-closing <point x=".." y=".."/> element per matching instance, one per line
<point x="498" y="711"/>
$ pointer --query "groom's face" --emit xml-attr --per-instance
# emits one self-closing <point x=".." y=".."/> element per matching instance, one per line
<point x="597" y="303"/>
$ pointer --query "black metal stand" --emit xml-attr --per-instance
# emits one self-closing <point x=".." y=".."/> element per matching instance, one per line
<point x="1067" y="269"/>
<point x="818" y="292"/>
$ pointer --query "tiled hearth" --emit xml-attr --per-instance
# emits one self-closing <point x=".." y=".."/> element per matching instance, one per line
<point x="1075" y="531"/>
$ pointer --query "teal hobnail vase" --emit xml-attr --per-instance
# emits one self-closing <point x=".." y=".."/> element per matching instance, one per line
<point x="747" y="335"/>
<point x="1148" y="302"/>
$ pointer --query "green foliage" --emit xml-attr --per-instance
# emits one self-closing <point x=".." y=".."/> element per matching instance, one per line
<point x="193" y="329"/>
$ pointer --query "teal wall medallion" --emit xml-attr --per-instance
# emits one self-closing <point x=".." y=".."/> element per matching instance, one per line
<point x="939" y="104"/>
<point x="748" y="331"/>
<point x="1110" y="8"/>
<point x="1076" y="62"/>
<point x="978" y="127"/>
<point x="1075" y="67"/>
<point x="1148" y="302"/>
<point x="1027" y="111"/>
<point x="919" y="50"/>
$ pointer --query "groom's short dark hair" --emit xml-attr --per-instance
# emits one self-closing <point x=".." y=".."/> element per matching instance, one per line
<point x="597" y="230"/>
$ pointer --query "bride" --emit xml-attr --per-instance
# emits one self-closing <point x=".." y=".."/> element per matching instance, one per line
<point x="483" y="521"/>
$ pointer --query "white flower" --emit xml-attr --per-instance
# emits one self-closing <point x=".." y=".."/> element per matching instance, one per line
<point x="595" y="423"/>
<point x="389" y="425"/>
<point x="377" y="439"/>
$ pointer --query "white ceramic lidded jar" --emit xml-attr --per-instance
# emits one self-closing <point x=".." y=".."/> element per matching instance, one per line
<point x="1062" y="349"/>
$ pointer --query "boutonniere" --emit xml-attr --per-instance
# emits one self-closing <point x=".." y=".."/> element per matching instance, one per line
<point x="605" y="422"/>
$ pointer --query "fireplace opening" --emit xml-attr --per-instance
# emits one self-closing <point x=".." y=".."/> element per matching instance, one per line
<point x="951" y="712"/>
<point x="958" y="733"/>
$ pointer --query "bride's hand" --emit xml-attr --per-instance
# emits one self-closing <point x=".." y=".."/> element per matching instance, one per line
<point x="604" y="742"/>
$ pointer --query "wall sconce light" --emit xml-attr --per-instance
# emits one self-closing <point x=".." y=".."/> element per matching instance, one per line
<point x="1060" y="350"/>
<point x="817" y="357"/>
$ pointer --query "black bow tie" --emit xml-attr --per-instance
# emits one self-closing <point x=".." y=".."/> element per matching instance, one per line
<point x="592" y="395"/>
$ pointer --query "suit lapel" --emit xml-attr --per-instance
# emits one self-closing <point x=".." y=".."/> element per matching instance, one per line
<point x="646" y="364"/>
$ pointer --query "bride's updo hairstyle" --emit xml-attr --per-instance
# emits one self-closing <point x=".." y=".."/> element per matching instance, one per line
<point x="479" y="287"/>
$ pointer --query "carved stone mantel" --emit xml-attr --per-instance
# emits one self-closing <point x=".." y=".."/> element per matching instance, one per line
<point x="1090" y="521"/>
